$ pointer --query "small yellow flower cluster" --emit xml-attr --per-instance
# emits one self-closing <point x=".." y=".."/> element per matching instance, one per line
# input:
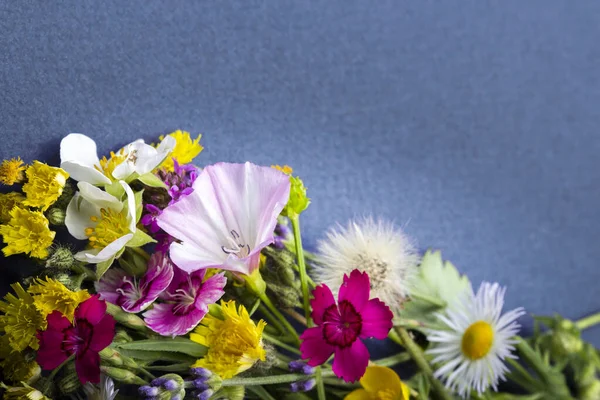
<point x="25" y="229"/>
<point x="234" y="342"/>
<point x="185" y="149"/>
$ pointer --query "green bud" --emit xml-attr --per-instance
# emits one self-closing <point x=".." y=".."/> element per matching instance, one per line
<point x="123" y="375"/>
<point x="61" y="258"/>
<point x="71" y="282"/>
<point x="56" y="216"/>
<point x="285" y="296"/>
<point x="69" y="382"/>
<point x="121" y="336"/>
<point x="65" y="197"/>
<point x="298" y="200"/>
<point x="590" y="392"/>
<point x="256" y="283"/>
<point x="45" y="385"/>
<point x="125" y="318"/>
<point x="565" y="342"/>
<point x="231" y="393"/>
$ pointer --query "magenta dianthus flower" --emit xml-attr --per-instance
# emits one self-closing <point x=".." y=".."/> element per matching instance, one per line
<point x="341" y="325"/>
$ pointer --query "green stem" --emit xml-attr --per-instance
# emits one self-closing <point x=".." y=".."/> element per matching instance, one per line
<point x="261" y="392"/>
<point x="429" y="299"/>
<point x="266" y="301"/>
<point x="419" y="358"/>
<point x="145" y="372"/>
<point x="320" y="384"/>
<point x="272" y="319"/>
<point x="295" y="219"/>
<point x="588" y="321"/>
<point x="520" y="376"/>
<point x="265" y="380"/>
<point x="279" y="343"/>
<point x="140" y="252"/>
<point x="55" y="370"/>
<point x="392" y="360"/>
<point x="395" y="338"/>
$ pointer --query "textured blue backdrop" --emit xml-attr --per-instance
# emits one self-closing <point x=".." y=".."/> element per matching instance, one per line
<point x="474" y="124"/>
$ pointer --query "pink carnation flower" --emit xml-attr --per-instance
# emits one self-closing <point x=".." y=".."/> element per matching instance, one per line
<point x="92" y="330"/>
<point x="133" y="296"/>
<point x="187" y="300"/>
<point x="341" y="325"/>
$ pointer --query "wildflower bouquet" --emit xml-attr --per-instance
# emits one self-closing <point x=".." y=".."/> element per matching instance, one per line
<point x="186" y="282"/>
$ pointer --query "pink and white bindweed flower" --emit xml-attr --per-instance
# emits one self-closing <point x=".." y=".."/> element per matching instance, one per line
<point x="185" y="303"/>
<point x="132" y="295"/>
<point x="79" y="157"/>
<point x="341" y="325"/>
<point x="227" y="219"/>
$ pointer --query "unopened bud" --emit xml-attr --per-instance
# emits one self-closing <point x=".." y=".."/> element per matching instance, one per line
<point x="302" y="367"/>
<point x="201" y="372"/>
<point x="303" y="386"/>
<point x="69" y="383"/>
<point x="125" y="318"/>
<point x="232" y="392"/>
<point x="205" y="395"/>
<point x="66" y="196"/>
<point x="590" y="392"/>
<point x="61" y="258"/>
<point x="45" y="385"/>
<point x="56" y="216"/>
<point x="122" y="337"/>
<point x="148" y="391"/>
<point x="122" y="375"/>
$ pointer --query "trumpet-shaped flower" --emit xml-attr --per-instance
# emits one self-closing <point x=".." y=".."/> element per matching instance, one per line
<point x="27" y="232"/>
<point x="341" y="325"/>
<point x="21" y="319"/>
<point x="134" y="296"/>
<point x="50" y="295"/>
<point x="187" y="300"/>
<point x="228" y="218"/>
<point x="380" y="383"/>
<point x="103" y="219"/>
<point x="78" y="156"/>
<point x="234" y="342"/>
<point x="44" y="185"/>
<point x="92" y="330"/>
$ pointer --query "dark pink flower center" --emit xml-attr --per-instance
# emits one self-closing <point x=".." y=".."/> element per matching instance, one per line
<point x="185" y="295"/>
<point x="341" y="324"/>
<point x="77" y="338"/>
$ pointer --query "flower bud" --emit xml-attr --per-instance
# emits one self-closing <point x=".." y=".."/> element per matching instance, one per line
<point x="148" y="391"/>
<point x="232" y="393"/>
<point x="172" y="382"/>
<point x="122" y="375"/>
<point x="302" y="367"/>
<point x="67" y="194"/>
<point x="45" y="385"/>
<point x="201" y="372"/>
<point x="303" y="386"/>
<point x="61" y="259"/>
<point x="125" y="318"/>
<point x="69" y="383"/>
<point x="56" y="216"/>
<point x="205" y="395"/>
<point x="70" y="282"/>
<point x="121" y="336"/>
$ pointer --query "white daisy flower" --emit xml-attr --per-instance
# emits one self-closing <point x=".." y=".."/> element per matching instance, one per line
<point x="384" y="252"/>
<point x="79" y="158"/>
<point x="477" y="340"/>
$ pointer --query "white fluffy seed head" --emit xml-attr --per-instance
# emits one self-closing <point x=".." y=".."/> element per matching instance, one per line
<point x="378" y="248"/>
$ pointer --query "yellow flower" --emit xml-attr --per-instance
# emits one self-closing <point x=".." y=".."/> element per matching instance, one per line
<point x="234" y="343"/>
<point x="21" y="319"/>
<point x="185" y="149"/>
<point x="51" y="295"/>
<point x="24" y="392"/>
<point x="44" y="185"/>
<point x="7" y="202"/>
<point x="16" y="368"/>
<point x="11" y="171"/>
<point x="27" y="232"/>
<point x="286" y="169"/>
<point x="380" y="383"/>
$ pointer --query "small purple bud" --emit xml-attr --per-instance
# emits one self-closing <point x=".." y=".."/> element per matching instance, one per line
<point x="158" y="381"/>
<point x="201" y="372"/>
<point x="148" y="390"/>
<point x="205" y="395"/>
<point x="176" y="397"/>
<point x="170" y="385"/>
<point x="200" y="384"/>
<point x="296" y="366"/>
<point x="303" y="386"/>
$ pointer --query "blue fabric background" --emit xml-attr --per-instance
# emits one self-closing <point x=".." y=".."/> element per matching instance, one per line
<point x="473" y="124"/>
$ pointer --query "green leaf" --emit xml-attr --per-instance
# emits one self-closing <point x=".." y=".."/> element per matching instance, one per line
<point x="139" y="239"/>
<point x="153" y="356"/>
<point x="139" y="204"/>
<point x="152" y="180"/>
<point x="436" y="284"/>
<point x="177" y="345"/>
<point x="103" y="266"/>
<point x="179" y="367"/>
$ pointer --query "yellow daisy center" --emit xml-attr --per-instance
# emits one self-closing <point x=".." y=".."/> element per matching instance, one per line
<point x="110" y="226"/>
<point x="108" y="165"/>
<point x="477" y="340"/>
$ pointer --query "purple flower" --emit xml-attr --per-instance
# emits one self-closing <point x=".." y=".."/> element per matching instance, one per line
<point x="149" y="219"/>
<point x="228" y="219"/>
<point x="188" y="297"/>
<point x="118" y="288"/>
<point x="180" y="181"/>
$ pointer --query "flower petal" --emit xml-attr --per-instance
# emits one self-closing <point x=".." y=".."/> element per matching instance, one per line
<point x="355" y="289"/>
<point x="79" y="212"/>
<point x="350" y="363"/>
<point x="323" y="298"/>
<point x="78" y="156"/>
<point x="358" y="394"/>
<point x="314" y="348"/>
<point x="131" y="209"/>
<point x="211" y="291"/>
<point x="107" y="286"/>
<point x="156" y="280"/>
<point x="99" y="197"/>
<point x="87" y="366"/>
<point x="161" y="319"/>
<point x="382" y="379"/>
<point x="190" y="257"/>
<point x="94" y="257"/>
<point x="376" y="320"/>
<point x="92" y="310"/>
<point x="57" y="321"/>
<point x="50" y="354"/>
<point x="103" y="333"/>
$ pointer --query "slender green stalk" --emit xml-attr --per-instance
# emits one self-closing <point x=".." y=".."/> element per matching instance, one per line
<point x="429" y="299"/>
<point x="296" y="315"/>
<point x="145" y="372"/>
<point x="320" y="384"/>
<point x="302" y="266"/>
<point x="261" y="392"/>
<point x="279" y="343"/>
<point x="140" y="252"/>
<point x="520" y="376"/>
<point x="392" y="360"/>
<point x="266" y="301"/>
<point x="588" y="322"/>
<point x="419" y="358"/>
<point x="395" y="338"/>
<point x="264" y="380"/>
<point x="55" y="370"/>
<point x="272" y="319"/>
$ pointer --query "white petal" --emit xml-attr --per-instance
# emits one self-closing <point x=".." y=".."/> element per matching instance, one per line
<point x="95" y="257"/>
<point x="78" y="216"/>
<point x="167" y="145"/>
<point x="131" y="217"/>
<point x="99" y="197"/>
<point x="146" y="158"/>
<point x="84" y="173"/>
<point x="123" y="170"/>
